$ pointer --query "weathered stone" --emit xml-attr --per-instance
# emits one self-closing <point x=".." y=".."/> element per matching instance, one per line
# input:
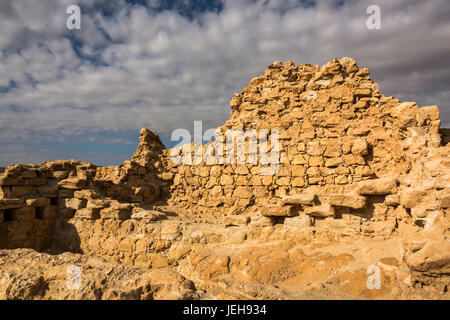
<point x="89" y="214"/>
<point x="38" y="202"/>
<point x="236" y="220"/>
<point x="73" y="183"/>
<point x="301" y="221"/>
<point x="243" y="192"/>
<point x="322" y="211"/>
<point x="380" y="186"/>
<point x="304" y="198"/>
<point x="10" y="204"/>
<point x="350" y="200"/>
<point x="434" y="258"/>
<point x="75" y="203"/>
<point x="277" y="211"/>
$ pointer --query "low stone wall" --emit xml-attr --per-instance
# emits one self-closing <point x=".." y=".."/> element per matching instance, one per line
<point x="37" y="200"/>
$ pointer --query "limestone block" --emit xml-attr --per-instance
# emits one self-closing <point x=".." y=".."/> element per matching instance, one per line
<point x="226" y="180"/>
<point x="304" y="198"/>
<point x="380" y="186"/>
<point x="322" y="211"/>
<point x="434" y="257"/>
<point x="10" y="204"/>
<point x="243" y="192"/>
<point x="333" y="162"/>
<point x="277" y="211"/>
<point x="314" y="149"/>
<point x="298" y="222"/>
<point x="360" y="146"/>
<point x="350" y="200"/>
<point x="38" y="202"/>
<point x="298" y="182"/>
<point x="235" y="220"/>
<point x="89" y="214"/>
<point x="392" y="200"/>
<point x="73" y="183"/>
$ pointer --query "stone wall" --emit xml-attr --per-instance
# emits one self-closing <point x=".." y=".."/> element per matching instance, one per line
<point x="349" y="158"/>
<point x="37" y="203"/>
<point x="335" y="130"/>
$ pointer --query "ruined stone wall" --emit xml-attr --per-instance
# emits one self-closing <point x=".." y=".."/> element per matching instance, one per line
<point x="39" y="203"/>
<point x="350" y="160"/>
<point x="335" y="130"/>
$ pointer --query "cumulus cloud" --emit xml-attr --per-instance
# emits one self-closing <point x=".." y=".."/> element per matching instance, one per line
<point x="133" y="66"/>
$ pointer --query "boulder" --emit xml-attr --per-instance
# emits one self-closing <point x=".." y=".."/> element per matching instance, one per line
<point x="304" y="198"/>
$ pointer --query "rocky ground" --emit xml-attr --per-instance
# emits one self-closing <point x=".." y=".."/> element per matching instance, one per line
<point x="244" y="261"/>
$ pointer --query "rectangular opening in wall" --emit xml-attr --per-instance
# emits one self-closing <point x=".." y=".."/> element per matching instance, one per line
<point x="40" y="213"/>
<point x="54" y="201"/>
<point x="8" y="215"/>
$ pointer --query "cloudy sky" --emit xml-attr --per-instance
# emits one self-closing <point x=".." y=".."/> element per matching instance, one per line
<point x="85" y="94"/>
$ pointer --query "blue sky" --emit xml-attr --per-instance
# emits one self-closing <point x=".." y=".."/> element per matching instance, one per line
<point x="85" y="94"/>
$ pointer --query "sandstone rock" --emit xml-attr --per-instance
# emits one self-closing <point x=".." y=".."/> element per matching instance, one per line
<point x="38" y="202"/>
<point x="75" y="203"/>
<point x="301" y="221"/>
<point x="359" y="146"/>
<point x="392" y="200"/>
<point x="350" y="200"/>
<point x="235" y="220"/>
<point x="434" y="257"/>
<point x="73" y="183"/>
<point x="322" y="211"/>
<point x="277" y="211"/>
<point x="86" y="213"/>
<point x="304" y="198"/>
<point x="335" y="130"/>
<point x="379" y="186"/>
<point x="10" y="204"/>
<point x="243" y="192"/>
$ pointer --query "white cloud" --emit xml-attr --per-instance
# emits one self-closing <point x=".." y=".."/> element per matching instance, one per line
<point x="164" y="71"/>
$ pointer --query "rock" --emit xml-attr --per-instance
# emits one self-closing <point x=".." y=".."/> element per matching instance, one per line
<point x="75" y="203"/>
<point x="433" y="258"/>
<point x="277" y="211"/>
<point x="243" y="192"/>
<point x="89" y="214"/>
<point x="392" y="200"/>
<point x="38" y="202"/>
<point x="350" y="200"/>
<point x="73" y="183"/>
<point x="235" y="220"/>
<point x="360" y="146"/>
<point x="322" y="211"/>
<point x="146" y="214"/>
<point x="380" y="186"/>
<point x="301" y="221"/>
<point x="304" y="198"/>
<point x="33" y="275"/>
<point x="10" y="204"/>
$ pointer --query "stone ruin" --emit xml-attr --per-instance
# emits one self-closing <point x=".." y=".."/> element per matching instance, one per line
<point x="357" y="170"/>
